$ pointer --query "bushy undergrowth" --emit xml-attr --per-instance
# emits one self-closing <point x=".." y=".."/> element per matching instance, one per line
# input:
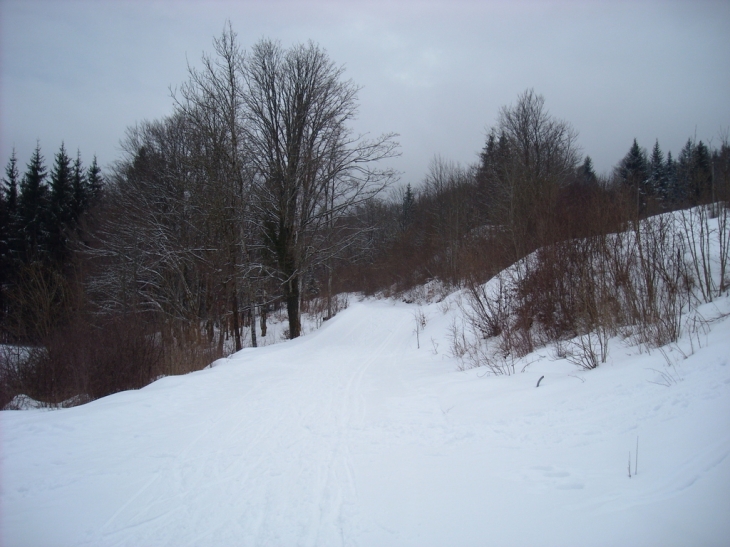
<point x="81" y="362"/>
<point x="96" y="355"/>
<point x="640" y="284"/>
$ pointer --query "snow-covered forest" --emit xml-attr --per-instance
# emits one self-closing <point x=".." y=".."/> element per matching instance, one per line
<point x="248" y="331"/>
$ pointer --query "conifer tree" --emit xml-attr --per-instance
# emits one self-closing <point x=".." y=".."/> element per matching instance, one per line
<point x="10" y="184"/>
<point x="682" y="185"/>
<point x="633" y="169"/>
<point x="657" y="170"/>
<point x="587" y="174"/>
<point x="4" y="233"/>
<point x="487" y="158"/>
<point x="670" y="173"/>
<point x="78" y="189"/>
<point x="33" y="207"/>
<point x="633" y="172"/>
<point x="492" y="172"/>
<point x="701" y="173"/>
<point x="5" y="260"/>
<point x="408" y="204"/>
<point x="721" y="171"/>
<point x="94" y="183"/>
<point x="9" y="215"/>
<point x="61" y="204"/>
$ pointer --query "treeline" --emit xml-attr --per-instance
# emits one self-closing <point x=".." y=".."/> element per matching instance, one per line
<point x="530" y="188"/>
<point x="573" y="259"/>
<point x="45" y="219"/>
<point x="42" y="214"/>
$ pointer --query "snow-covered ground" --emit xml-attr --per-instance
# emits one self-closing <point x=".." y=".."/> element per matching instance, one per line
<point x="351" y="435"/>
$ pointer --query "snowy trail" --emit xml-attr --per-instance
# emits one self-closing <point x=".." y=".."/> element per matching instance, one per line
<point x="270" y="446"/>
<point x="352" y="436"/>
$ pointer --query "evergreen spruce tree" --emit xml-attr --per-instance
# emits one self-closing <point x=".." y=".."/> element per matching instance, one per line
<point x="670" y="173"/>
<point x="494" y="159"/>
<point x="587" y="174"/>
<point x="5" y="259"/>
<point x="657" y="173"/>
<point x="5" y="230"/>
<point x="407" y="208"/>
<point x="487" y="158"/>
<point x="61" y="204"/>
<point x="721" y="172"/>
<point x="682" y="192"/>
<point x="33" y="208"/>
<point x="633" y="171"/>
<point x="503" y="154"/>
<point x="485" y="176"/>
<point x="79" y="189"/>
<point x="94" y="183"/>
<point x="9" y="216"/>
<point x="10" y="184"/>
<point x="701" y="174"/>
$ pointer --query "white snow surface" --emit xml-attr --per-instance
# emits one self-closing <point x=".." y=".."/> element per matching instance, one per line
<point x="351" y="435"/>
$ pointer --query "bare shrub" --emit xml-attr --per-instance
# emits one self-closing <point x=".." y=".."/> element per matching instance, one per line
<point x="188" y="356"/>
<point x="588" y="350"/>
<point x="37" y="302"/>
<point x="723" y="240"/>
<point x="14" y="364"/>
<point x="696" y="227"/>
<point x="579" y="293"/>
<point x="81" y="362"/>
<point x="40" y="374"/>
<point x="323" y="308"/>
<point x="458" y="343"/>
<point x="421" y="320"/>
<point x="472" y="351"/>
<point x="489" y="306"/>
<point x="517" y="341"/>
<point x="115" y="354"/>
<point x="661" y="284"/>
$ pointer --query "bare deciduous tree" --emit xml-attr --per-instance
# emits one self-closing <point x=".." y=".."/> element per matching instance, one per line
<point x="212" y="100"/>
<point x="535" y="155"/>
<point x="310" y="171"/>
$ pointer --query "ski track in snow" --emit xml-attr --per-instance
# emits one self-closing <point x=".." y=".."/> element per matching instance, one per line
<point x="351" y="436"/>
<point x="304" y="458"/>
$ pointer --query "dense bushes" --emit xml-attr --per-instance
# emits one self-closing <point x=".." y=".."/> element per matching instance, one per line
<point x="640" y="283"/>
<point x="83" y="361"/>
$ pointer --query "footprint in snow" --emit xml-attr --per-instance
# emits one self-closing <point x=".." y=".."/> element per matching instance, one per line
<point x="557" y="478"/>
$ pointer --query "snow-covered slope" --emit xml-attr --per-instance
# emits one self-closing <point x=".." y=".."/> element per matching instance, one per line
<point x="353" y="436"/>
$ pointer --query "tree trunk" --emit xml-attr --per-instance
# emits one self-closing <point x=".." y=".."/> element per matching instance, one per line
<point x="292" y="306"/>
<point x="236" y="325"/>
<point x="262" y="311"/>
<point x="329" y="290"/>
<point x="253" y="324"/>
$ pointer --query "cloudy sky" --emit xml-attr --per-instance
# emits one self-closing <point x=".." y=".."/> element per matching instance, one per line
<point x="436" y="72"/>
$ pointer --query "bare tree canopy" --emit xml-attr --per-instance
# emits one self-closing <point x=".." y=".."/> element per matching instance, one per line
<point x="260" y="163"/>
<point x="309" y="169"/>
<point x="530" y="155"/>
<point x="543" y="147"/>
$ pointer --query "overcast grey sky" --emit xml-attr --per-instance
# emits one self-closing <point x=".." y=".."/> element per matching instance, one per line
<point x="436" y="72"/>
